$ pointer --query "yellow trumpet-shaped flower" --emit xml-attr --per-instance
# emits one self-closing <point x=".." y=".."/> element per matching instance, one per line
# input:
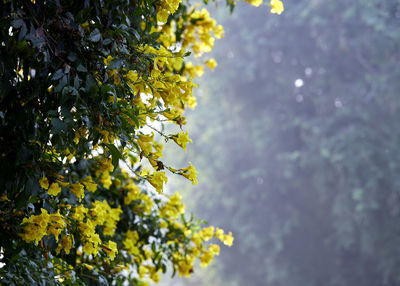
<point x="182" y="139"/>
<point x="255" y="3"/>
<point x="54" y="189"/>
<point x="44" y="183"/>
<point x="157" y="180"/>
<point x="110" y="249"/>
<point x="276" y="7"/>
<point x="211" y="63"/>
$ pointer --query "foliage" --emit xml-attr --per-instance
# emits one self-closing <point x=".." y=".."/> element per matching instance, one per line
<point x="86" y="88"/>
<point x="305" y="145"/>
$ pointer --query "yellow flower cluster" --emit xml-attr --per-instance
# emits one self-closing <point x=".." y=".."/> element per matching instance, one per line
<point x="130" y="242"/>
<point x="201" y="32"/>
<point x="184" y="263"/>
<point x="90" y="239"/>
<point x="103" y="214"/>
<point x="54" y="189"/>
<point x="166" y="8"/>
<point x="76" y="188"/>
<point x="110" y="249"/>
<point x="100" y="214"/>
<point x="65" y="244"/>
<point x="38" y="226"/>
<point x="103" y="171"/>
<point x="173" y="208"/>
<point x="133" y="192"/>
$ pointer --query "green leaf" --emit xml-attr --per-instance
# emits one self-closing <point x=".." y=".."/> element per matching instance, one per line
<point x="90" y="82"/>
<point x="107" y="41"/>
<point x="61" y="84"/>
<point x="76" y="82"/>
<point x="58" y="126"/>
<point x="17" y="23"/>
<point x="107" y="89"/>
<point x="116" y="64"/>
<point x="115" y="153"/>
<point x="57" y="75"/>
<point x="22" y="32"/>
<point x="136" y="34"/>
<point x="81" y="68"/>
<point x="95" y="35"/>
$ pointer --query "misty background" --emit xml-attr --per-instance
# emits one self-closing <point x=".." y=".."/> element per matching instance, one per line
<point x="296" y="142"/>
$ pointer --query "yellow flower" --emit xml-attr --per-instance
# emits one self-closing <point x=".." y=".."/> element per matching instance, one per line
<point x="190" y="174"/>
<point x="211" y="63"/>
<point x="105" y="165"/>
<point x="155" y="276"/>
<point x="90" y="185"/>
<point x="66" y="244"/>
<point x="255" y="3"/>
<point x="105" y="179"/>
<point x="79" y="213"/>
<point x="112" y="220"/>
<point x="110" y="249"/>
<point x="88" y="266"/>
<point x="90" y="248"/>
<point x="78" y="190"/>
<point x="85" y="26"/>
<point x="144" y="142"/>
<point x="206" y="257"/>
<point x="35" y="227"/>
<point x="142" y="271"/>
<point x="173" y="208"/>
<point x="227" y="239"/>
<point x="44" y="183"/>
<point x="148" y="203"/>
<point x="54" y="189"/>
<point x="276" y="7"/>
<point x="130" y="241"/>
<point x="158" y="147"/>
<point x="196" y="238"/>
<point x="218" y="31"/>
<point x="219" y="233"/>
<point x="90" y="238"/>
<point x="207" y="233"/>
<point x="133" y="193"/>
<point x="182" y="139"/>
<point x="108" y="60"/>
<point x="163" y="224"/>
<point x="56" y="224"/>
<point x="185" y="266"/>
<point x="99" y="211"/>
<point x="157" y="180"/>
<point x="214" y="248"/>
<point x="4" y="198"/>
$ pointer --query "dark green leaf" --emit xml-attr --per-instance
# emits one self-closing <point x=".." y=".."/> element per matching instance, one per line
<point x="58" y="126"/>
<point x="81" y="68"/>
<point x="95" y="35"/>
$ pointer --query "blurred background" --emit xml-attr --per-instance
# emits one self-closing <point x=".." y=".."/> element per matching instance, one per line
<point x="296" y="140"/>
